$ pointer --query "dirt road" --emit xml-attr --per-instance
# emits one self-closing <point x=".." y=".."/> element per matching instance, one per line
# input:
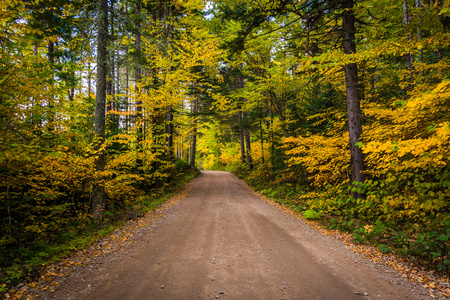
<point x="223" y="242"/>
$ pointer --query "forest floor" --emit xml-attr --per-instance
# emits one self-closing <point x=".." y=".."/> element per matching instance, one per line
<point x="218" y="239"/>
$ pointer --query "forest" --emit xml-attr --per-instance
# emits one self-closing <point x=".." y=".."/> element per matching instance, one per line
<point x="336" y="109"/>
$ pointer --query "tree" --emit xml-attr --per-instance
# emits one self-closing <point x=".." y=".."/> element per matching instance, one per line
<point x="138" y="75"/>
<point x="98" y="193"/>
<point x="353" y="97"/>
<point x="193" y="140"/>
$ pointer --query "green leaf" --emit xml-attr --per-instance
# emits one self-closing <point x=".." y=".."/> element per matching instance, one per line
<point x="311" y="215"/>
<point x="443" y="237"/>
<point x="435" y="254"/>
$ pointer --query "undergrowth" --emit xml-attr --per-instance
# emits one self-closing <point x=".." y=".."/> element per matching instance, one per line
<point x="23" y="264"/>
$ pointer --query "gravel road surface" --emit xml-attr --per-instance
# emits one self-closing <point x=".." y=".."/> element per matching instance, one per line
<point x="223" y="242"/>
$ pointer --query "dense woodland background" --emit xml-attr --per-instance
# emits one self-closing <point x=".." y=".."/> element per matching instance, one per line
<point x="338" y="109"/>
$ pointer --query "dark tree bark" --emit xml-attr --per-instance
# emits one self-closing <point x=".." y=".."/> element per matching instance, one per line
<point x="89" y="76"/>
<point x="241" y="137"/>
<point x="261" y="138"/>
<point x="138" y="71"/>
<point x="51" y="99"/>
<point x="353" y="97"/>
<point x="247" y="145"/>
<point x="127" y="99"/>
<point x="111" y="81"/>
<point x="169" y="115"/>
<point x="36" y="119"/>
<point x="181" y="151"/>
<point x="50" y="52"/>
<point x="194" y="136"/>
<point x="98" y="193"/>
<point x="244" y="135"/>
<point x="169" y="130"/>
<point x="272" y="141"/>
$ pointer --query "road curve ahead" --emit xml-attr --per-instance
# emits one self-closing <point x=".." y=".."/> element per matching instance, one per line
<point x="223" y="242"/>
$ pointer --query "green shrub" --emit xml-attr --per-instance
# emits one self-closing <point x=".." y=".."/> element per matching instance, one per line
<point x="311" y="215"/>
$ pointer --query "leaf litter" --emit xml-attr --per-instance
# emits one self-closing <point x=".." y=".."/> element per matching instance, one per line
<point x="53" y="274"/>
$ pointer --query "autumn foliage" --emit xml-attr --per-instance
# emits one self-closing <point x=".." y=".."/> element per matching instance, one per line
<point x="47" y="142"/>
<point x="256" y="90"/>
<point x="294" y="97"/>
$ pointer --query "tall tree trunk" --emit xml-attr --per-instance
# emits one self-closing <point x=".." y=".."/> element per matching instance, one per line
<point x="243" y="130"/>
<point x="353" y="100"/>
<point x="127" y="79"/>
<point x="118" y="107"/>
<point x="247" y="145"/>
<point x="239" y="84"/>
<point x="127" y="98"/>
<point x="51" y="99"/>
<point x="51" y="52"/>
<point x="272" y="140"/>
<point x="89" y="76"/>
<point x="181" y="134"/>
<point x="169" y="115"/>
<point x="111" y="81"/>
<point x="261" y="138"/>
<point x="169" y="130"/>
<point x="37" y="117"/>
<point x="98" y="194"/>
<point x="190" y="150"/>
<point x="109" y="91"/>
<point x="194" y="136"/>
<point x="138" y="73"/>
<point x="241" y="137"/>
